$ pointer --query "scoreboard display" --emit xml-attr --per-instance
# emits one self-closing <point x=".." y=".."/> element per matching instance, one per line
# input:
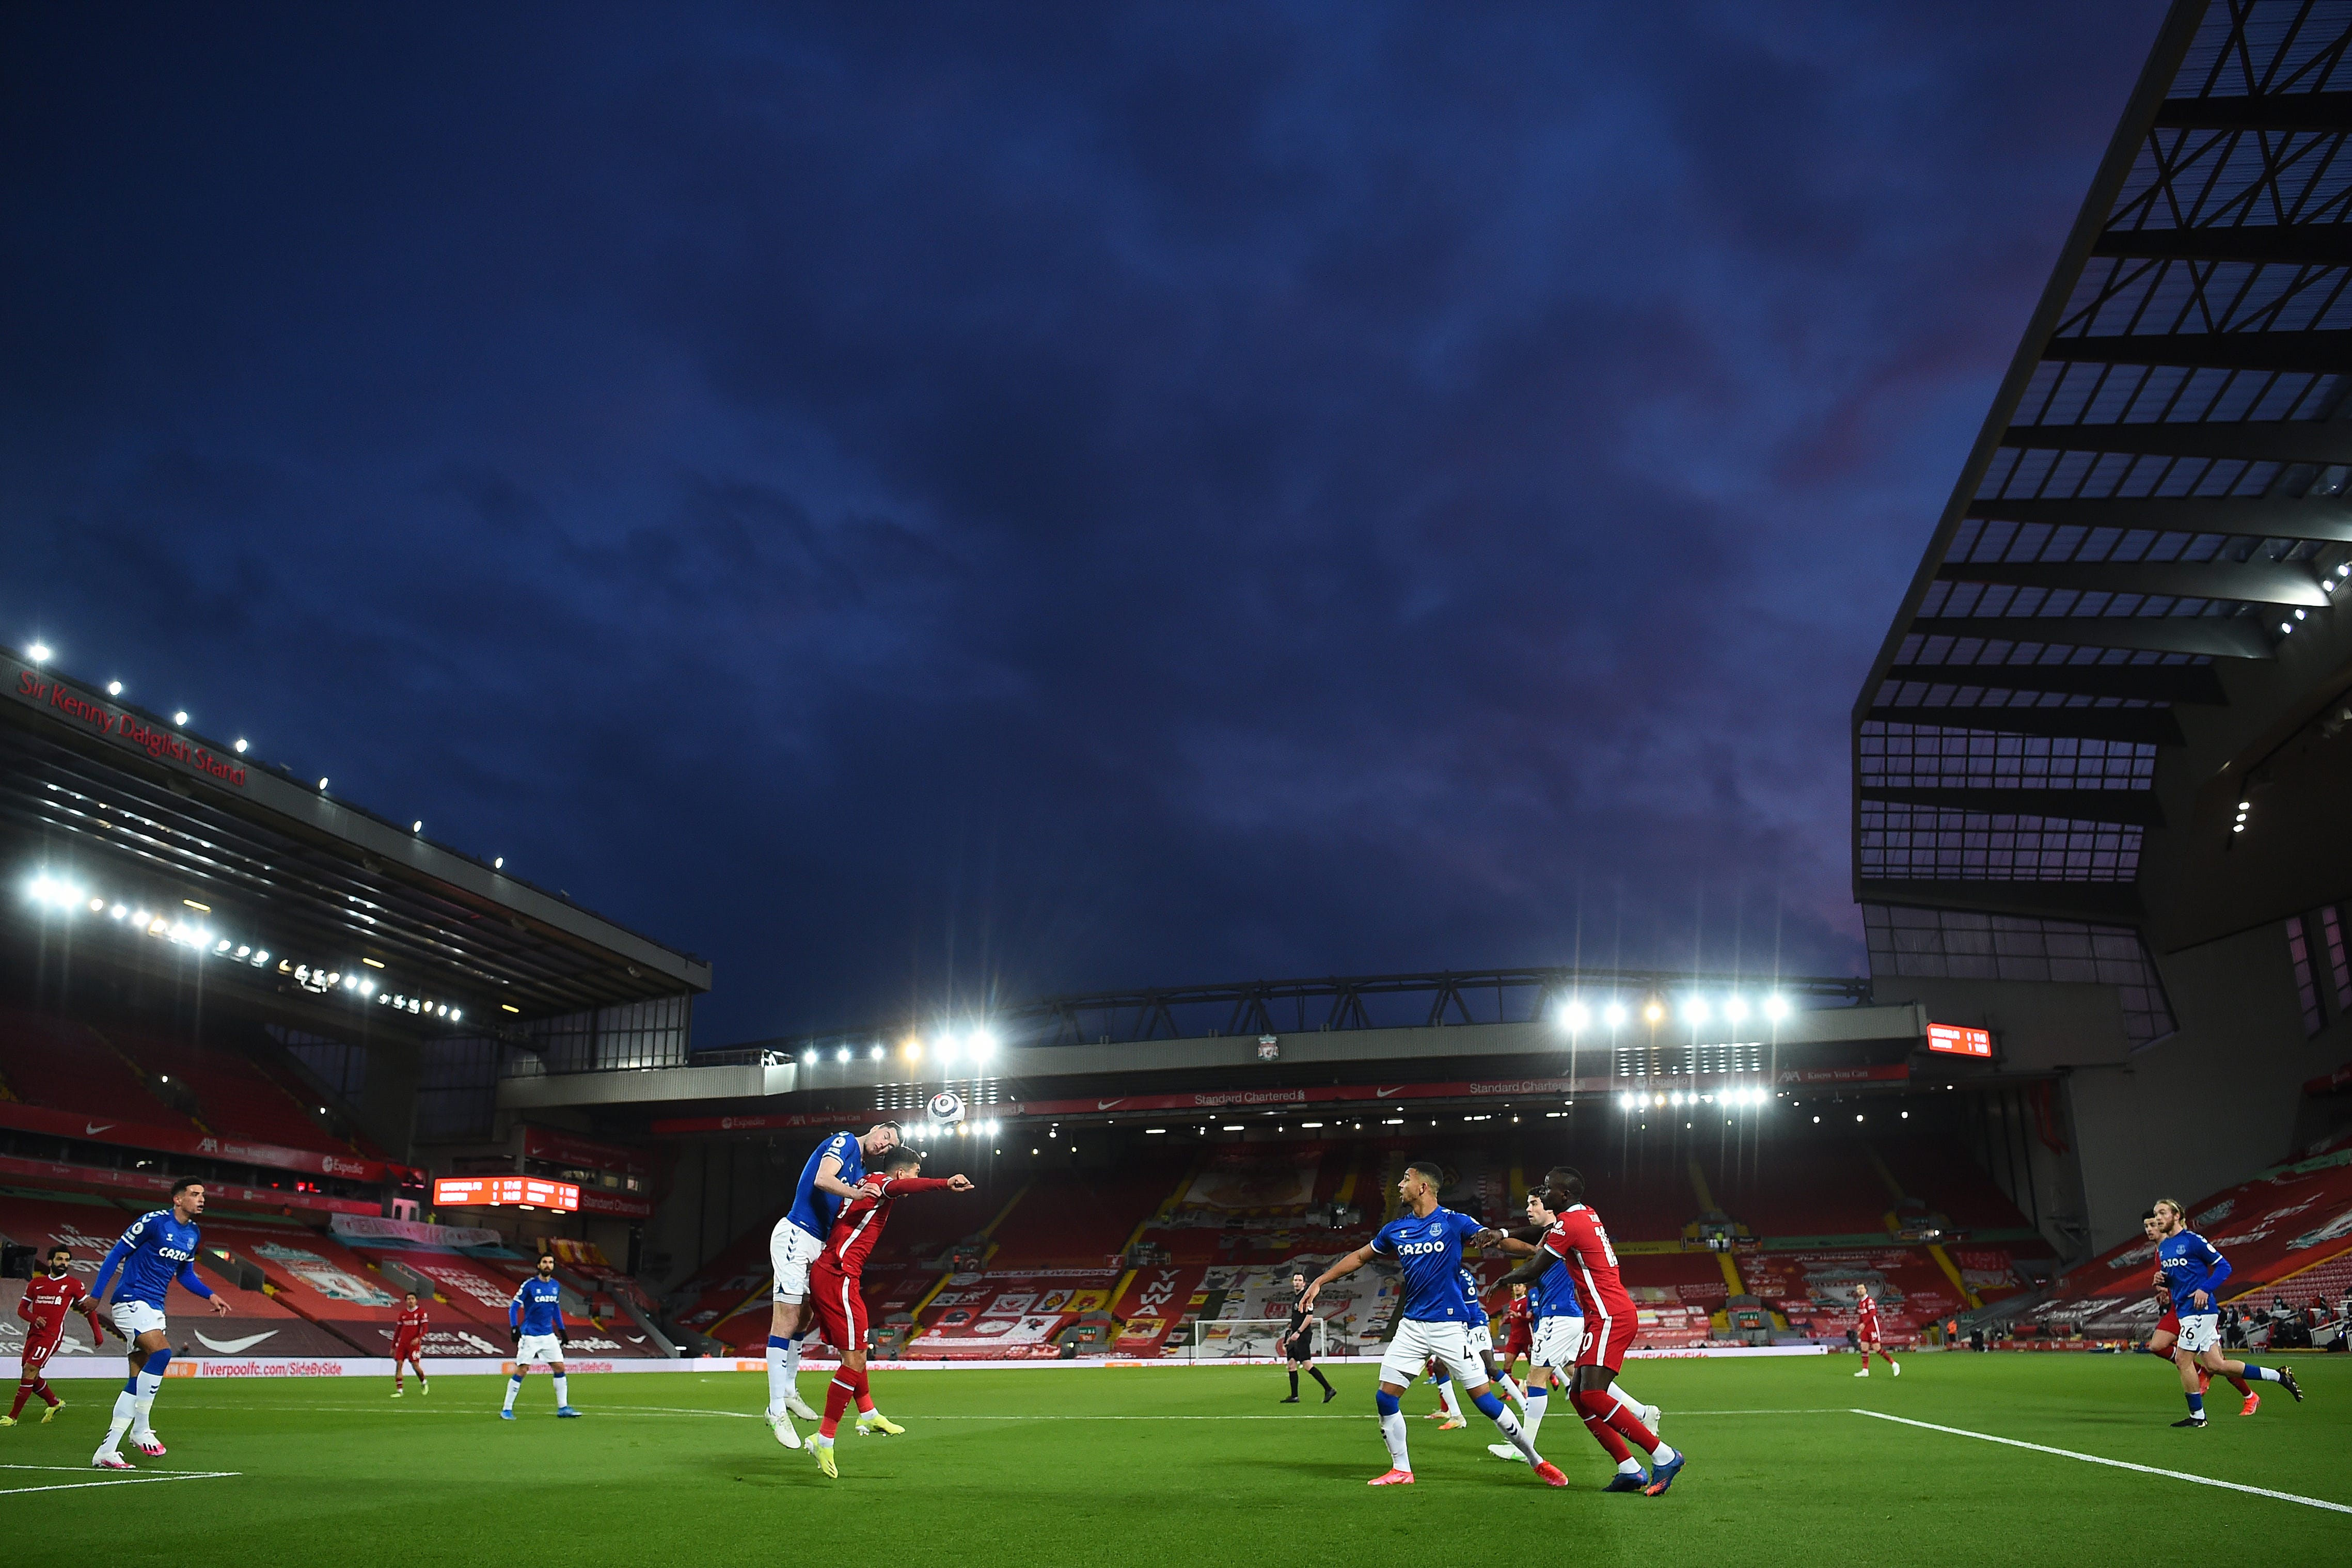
<point x="1955" y="1039"/>
<point x="503" y="1192"/>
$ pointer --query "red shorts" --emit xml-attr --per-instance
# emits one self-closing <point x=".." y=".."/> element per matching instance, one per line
<point x="1606" y="1340"/>
<point x="840" y="1309"/>
<point x="408" y="1349"/>
<point x="37" y="1352"/>
<point x="2168" y="1323"/>
<point x="1520" y="1344"/>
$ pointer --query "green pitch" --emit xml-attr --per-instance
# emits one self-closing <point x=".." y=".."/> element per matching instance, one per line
<point x="1194" y="1466"/>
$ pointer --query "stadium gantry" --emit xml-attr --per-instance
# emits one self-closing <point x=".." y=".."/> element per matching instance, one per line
<point x="2100" y="714"/>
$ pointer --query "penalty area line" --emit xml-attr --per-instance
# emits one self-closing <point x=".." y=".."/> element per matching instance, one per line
<point x="2115" y="1464"/>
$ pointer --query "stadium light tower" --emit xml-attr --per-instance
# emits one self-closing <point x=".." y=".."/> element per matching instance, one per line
<point x="38" y="652"/>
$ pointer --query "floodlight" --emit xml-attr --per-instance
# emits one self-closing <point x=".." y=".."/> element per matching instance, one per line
<point x="1776" y="1007"/>
<point x="1695" y="1010"/>
<point x="1736" y="1009"/>
<point x="1575" y="1015"/>
<point x="240" y="748"/>
<point x="40" y="652"/>
<point x="1655" y="1012"/>
<point x="114" y="688"/>
<point x="1613" y="1014"/>
<point x="181" y="717"/>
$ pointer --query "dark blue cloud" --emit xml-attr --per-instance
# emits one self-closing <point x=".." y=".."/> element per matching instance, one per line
<point x="923" y="505"/>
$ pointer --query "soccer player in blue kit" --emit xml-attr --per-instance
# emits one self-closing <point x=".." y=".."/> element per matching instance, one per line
<point x="159" y="1248"/>
<point x="2193" y="1273"/>
<point x="1427" y="1241"/>
<point x="535" y="1318"/>
<point x="828" y="1179"/>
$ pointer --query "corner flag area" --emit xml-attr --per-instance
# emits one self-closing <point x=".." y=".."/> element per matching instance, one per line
<point x="1790" y="1462"/>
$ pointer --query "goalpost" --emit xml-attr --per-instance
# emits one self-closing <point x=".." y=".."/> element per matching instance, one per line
<point x="1237" y="1339"/>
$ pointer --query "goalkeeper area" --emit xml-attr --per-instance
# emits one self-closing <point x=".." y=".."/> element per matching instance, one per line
<point x="1965" y="1457"/>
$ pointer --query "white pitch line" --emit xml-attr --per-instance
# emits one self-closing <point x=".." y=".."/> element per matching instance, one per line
<point x="115" y="1482"/>
<point x="2116" y="1464"/>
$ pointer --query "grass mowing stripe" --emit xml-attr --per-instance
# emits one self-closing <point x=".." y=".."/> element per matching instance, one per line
<point x="2118" y="1464"/>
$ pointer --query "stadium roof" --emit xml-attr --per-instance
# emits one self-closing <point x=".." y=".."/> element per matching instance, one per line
<point x="127" y="808"/>
<point x="2122" y="627"/>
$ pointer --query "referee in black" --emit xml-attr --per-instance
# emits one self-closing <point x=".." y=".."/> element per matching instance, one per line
<point x="1298" y="1344"/>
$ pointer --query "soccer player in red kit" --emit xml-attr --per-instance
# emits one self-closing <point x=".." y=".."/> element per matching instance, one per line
<point x="1518" y="1332"/>
<point x="408" y="1344"/>
<point x="45" y="1305"/>
<point x="1865" y="1331"/>
<point x="841" y="1310"/>
<point x="1573" y="1233"/>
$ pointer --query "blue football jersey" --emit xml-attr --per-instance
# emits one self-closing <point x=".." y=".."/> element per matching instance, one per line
<point x="536" y="1307"/>
<point x="2190" y="1264"/>
<point x="154" y="1251"/>
<point x="1553" y="1292"/>
<point x="813" y="1210"/>
<point x="1429" y="1252"/>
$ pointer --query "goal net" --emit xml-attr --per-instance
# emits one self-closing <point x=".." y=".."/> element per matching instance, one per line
<point x="1235" y="1339"/>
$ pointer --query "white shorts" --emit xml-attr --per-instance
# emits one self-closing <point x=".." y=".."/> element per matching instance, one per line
<point x="1417" y="1342"/>
<point x="1478" y="1338"/>
<point x="136" y="1318"/>
<point x="1556" y="1342"/>
<point x="2200" y="1332"/>
<point x="534" y="1348"/>
<point x="791" y="1251"/>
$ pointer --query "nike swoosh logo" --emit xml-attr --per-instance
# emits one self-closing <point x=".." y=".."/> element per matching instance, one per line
<point x="1107" y="1104"/>
<point x="95" y="1128"/>
<point x="1384" y="1093"/>
<point x="234" y="1347"/>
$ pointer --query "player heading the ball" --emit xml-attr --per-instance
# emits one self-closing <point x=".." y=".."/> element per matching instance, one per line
<point x="829" y="1179"/>
<point x="835" y="1292"/>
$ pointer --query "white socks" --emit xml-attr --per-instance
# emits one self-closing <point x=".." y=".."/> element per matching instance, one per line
<point x="563" y="1396"/>
<point x="1445" y="1398"/>
<point x="793" y="1360"/>
<point x="777" y="1380"/>
<point x="1534" y="1405"/>
<point x="514" y="1386"/>
<point x="1518" y="1435"/>
<point x="125" y="1408"/>
<point x="1393" y="1434"/>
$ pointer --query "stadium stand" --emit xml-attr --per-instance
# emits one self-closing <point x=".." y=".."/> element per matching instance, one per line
<point x="53" y="1062"/>
<point x="232" y="1095"/>
<point x="2286" y="1231"/>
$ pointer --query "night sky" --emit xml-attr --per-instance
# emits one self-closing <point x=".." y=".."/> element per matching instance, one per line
<point x="920" y="505"/>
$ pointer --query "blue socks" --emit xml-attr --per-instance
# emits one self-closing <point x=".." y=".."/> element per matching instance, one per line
<point x="1386" y="1404"/>
<point x="2196" y="1404"/>
<point x="1488" y="1404"/>
<point x="2261" y="1374"/>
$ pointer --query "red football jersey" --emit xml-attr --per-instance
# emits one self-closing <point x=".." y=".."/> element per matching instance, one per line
<point x="859" y="1225"/>
<point x="412" y="1325"/>
<point x="1577" y="1238"/>
<point x="1866" y="1324"/>
<point x="46" y="1301"/>
<point x="1520" y="1314"/>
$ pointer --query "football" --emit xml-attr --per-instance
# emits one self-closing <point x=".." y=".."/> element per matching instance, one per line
<point x="947" y="1106"/>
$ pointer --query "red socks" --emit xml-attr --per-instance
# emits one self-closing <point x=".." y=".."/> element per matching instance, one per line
<point x="28" y="1385"/>
<point x="846" y="1386"/>
<point x="1595" y="1409"/>
<point x="1613" y="1425"/>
